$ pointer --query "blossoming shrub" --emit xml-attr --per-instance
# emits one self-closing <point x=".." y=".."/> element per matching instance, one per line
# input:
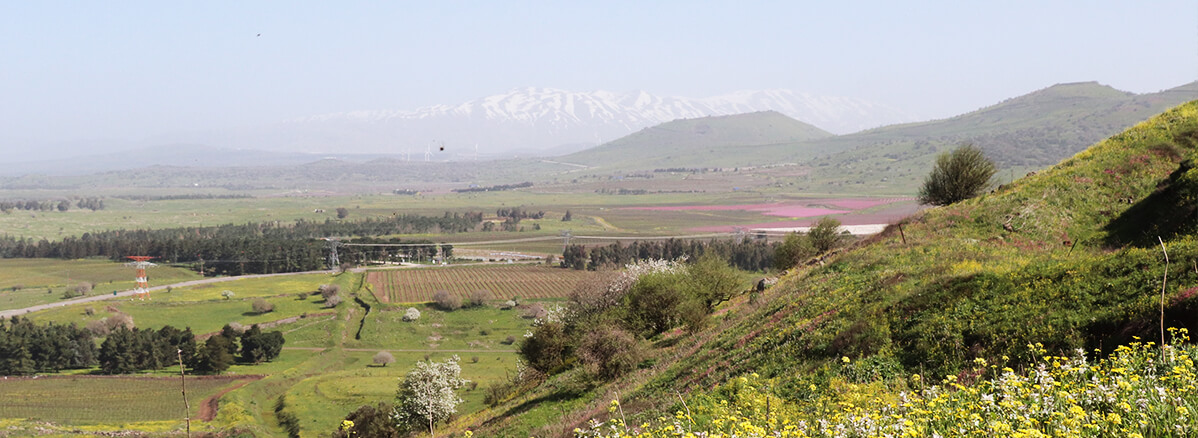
<point x="1138" y="391"/>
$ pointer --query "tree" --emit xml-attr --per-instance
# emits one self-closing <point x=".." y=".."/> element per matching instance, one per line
<point x="83" y="288"/>
<point x="794" y="248"/>
<point x="383" y="358"/>
<point x="713" y="280"/>
<point x="426" y="395"/>
<point x="959" y="175"/>
<point x="214" y="357"/>
<point x="342" y="212"/>
<point x="824" y="235"/>
<point x="228" y="294"/>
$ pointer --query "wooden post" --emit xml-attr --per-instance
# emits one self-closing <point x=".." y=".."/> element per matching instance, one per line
<point x="186" y="405"/>
<point x="904" y="236"/>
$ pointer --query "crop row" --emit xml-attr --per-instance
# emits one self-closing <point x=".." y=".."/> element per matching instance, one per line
<point x="525" y="281"/>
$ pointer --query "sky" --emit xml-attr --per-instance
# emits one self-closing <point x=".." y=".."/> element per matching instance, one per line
<point x="83" y="71"/>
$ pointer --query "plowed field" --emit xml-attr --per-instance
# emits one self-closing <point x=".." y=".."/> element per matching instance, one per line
<point x="502" y="281"/>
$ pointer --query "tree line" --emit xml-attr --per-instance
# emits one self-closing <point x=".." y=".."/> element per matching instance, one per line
<point x="251" y="248"/>
<point x="27" y="348"/>
<point x="749" y="254"/>
<point x="92" y="204"/>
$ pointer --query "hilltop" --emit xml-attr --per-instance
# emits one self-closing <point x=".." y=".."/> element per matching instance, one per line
<point x="700" y="142"/>
<point x="1065" y="260"/>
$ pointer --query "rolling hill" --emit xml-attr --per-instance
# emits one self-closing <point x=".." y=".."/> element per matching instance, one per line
<point x="1064" y="262"/>
<point x="701" y="142"/>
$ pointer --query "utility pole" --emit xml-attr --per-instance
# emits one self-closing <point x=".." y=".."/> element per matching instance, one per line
<point x="565" y="235"/>
<point x="333" y="260"/>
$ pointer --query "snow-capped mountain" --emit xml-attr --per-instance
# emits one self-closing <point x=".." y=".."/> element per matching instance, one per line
<point x="541" y="118"/>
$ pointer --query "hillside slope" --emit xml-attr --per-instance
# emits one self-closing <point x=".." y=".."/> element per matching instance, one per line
<point x="700" y="142"/>
<point x="1066" y="259"/>
<point x="1024" y="133"/>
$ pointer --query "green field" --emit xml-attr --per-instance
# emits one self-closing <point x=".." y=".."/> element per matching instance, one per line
<point x="73" y="399"/>
<point x="31" y="278"/>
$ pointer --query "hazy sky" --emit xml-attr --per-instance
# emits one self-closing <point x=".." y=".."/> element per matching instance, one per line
<point x="130" y="70"/>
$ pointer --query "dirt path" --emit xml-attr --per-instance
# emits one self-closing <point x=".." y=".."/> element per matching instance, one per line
<point x="401" y="350"/>
<point x="209" y="406"/>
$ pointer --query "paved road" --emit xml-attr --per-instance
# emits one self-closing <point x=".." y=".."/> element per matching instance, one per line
<point x="13" y="312"/>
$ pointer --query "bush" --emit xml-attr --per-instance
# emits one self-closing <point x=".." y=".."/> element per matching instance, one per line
<point x="332" y="301"/>
<point x="509" y="340"/>
<point x="609" y="352"/>
<point x="383" y="358"/>
<point x="83" y="288"/>
<point x="411" y="314"/>
<point x="228" y="294"/>
<point x="547" y="349"/>
<point x="301" y="296"/>
<point x="478" y="298"/>
<point x="260" y="305"/>
<point x="793" y="250"/>
<point x="447" y="301"/>
<point x="959" y="175"/>
<point x="368" y="421"/>
<point x="824" y="235"/>
<point x="534" y="311"/>
<point x="328" y="290"/>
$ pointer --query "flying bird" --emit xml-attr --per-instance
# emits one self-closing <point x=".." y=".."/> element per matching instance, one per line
<point x="259" y="34"/>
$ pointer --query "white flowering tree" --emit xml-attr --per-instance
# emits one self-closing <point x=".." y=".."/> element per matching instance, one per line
<point x="426" y="395"/>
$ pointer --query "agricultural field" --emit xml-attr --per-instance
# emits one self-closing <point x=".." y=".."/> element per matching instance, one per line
<point x="478" y="329"/>
<point x="29" y="282"/>
<point x="501" y="281"/>
<point x="103" y="399"/>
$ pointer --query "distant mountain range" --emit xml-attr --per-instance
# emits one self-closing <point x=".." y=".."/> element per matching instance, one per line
<point x="529" y="120"/>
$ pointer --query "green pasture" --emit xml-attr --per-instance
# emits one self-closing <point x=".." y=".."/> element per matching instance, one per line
<point x="202" y="308"/>
<point x="461" y="329"/>
<point x="32" y="277"/>
<point x="323" y="401"/>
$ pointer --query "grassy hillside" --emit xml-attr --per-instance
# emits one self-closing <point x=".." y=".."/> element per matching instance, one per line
<point x="702" y="142"/>
<point x="1025" y="133"/>
<point x="1066" y="259"/>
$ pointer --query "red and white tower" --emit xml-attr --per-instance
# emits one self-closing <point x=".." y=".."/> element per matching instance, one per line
<point x="143" y="284"/>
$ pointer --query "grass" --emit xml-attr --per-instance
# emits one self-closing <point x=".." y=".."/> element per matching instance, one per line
<point x="104" y="400"/>
<point x="203" y="309"/>
<point x="33" y="277"/>
<point x="321" y="402"/>
<point x="1042" y="261"/>
<point x="455" y="330"/>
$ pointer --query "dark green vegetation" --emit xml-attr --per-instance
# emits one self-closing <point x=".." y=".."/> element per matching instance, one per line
<point x="253" y="248"/>
<point x="958" y="175"/>
<point x="1050" y="260"/>
<point x="27" y="348"/>
<point x="749" y="254"/>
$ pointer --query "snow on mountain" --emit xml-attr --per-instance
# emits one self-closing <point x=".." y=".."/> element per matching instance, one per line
<point x="542" y="118"/>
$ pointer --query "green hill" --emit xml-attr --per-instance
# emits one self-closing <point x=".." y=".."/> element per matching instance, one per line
<point x="1024" y="133"/>
<point x="1065" y="260"/>
<point x="701" y="142"/>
